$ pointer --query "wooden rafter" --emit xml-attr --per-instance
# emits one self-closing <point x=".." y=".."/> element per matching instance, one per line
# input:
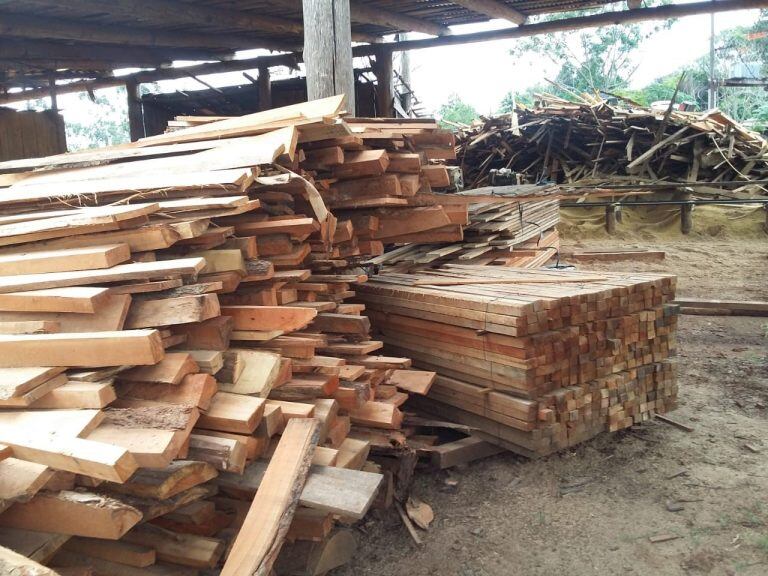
<point x="402" y="22"/>
<point x="363" y="14"/>
<point x="493" y="9"/>
<point x="160" y="11"/>
<point x="20" y="49"/>
<point x="48" y="28"/>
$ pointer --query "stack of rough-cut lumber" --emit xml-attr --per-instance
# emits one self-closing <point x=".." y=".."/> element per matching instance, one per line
<point x="375" y="175"/>
<point x="173" y="337"/>
<point x="537" y="360"/>
<point x="510" y="233"/>
<point x="567" y="141"/>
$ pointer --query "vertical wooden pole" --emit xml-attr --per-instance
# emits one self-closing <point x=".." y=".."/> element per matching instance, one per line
<point x="686" y="218"/>
<point x="265" y="88"/>
<point x="610" y="219"/>
<point x="54" y="99"/>
<point x="135" y="112"/>
<point x="328" y="50"/>
<point x="765" y="224"/>
<point x="405" y="73"/>
<point x="384" y="92"/>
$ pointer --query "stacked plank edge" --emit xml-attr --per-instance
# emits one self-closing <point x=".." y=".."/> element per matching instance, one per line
<point x="536" y="360"/>
<point x="185" y="384"/>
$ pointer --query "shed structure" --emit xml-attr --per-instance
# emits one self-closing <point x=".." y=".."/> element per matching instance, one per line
<point x="49" y="47"/>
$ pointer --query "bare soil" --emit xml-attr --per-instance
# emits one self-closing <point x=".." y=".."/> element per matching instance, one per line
<point x="592" y="510"/>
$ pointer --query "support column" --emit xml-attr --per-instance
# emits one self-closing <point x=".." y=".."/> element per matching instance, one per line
<point x="610" y="219"/>
<point x="135" y="112"/>
<point x="765" y="209"/>
<point x="265" y="88"/>
<point x="328" y="50"/>
<point x="384" y="93"/>
<point x="686" y="218"/>
<point x="54" y="99"/>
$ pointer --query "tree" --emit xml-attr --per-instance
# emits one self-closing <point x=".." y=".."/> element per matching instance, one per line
<point x="590" y="60"/>
<point x="526" y="98"/>
<point x="456" y="110"/>
<point x="106" y="125"/>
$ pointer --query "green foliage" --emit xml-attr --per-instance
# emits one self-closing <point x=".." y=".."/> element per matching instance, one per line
<point x="106" y="123"/>
<point x="664" y="88"/>
<point x="526" y="98"/>
<point x="590" y="60"/>
<point x="456" y="110"/>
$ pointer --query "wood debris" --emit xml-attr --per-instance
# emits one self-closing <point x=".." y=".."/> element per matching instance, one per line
<point x="562" y="141"/>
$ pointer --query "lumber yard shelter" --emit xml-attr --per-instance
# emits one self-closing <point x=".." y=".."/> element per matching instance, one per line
<point x="51" y="47"/>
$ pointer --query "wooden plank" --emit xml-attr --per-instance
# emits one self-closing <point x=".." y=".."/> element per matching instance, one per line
<point x="223" y="453"/>
<point x="120" y="273"/>
<point x="259" y="541"/>
<point x="149" y="313"/>
<point x="258" y="374"/>
<point x="414" y="381"/>
<point x="77" y="395"/>
<point x="167" y="482"/>
<point x="348" y="493"/>
<point x="97" y="516"/>
<point x="377" y="415"/>
<point x="14" y="563"/>
<point x="194" y="390"/>
<point x="177" y="548"/>
<point x="170" y="370"/>
<point x="28" y="398"/>
<point x="20" y="480"/>
<point x="88" y="258"/>
<point x="18" y="381"/>
<point x="208" y="361"/>
<point x="110" y="316"/>
<point x="461" y="452"/>
<point x="723" y="307"/>
<point x="138" y="347"/>
<point x="78" y="300"/>
<point x="233" y="413"/>
<point x="268" y="318"/>
<point x="29" y="327"/>
<point x="120" y="552"/>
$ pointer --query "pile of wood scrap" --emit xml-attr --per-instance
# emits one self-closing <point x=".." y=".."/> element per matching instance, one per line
<point x="563" y="141"/>
<point x="535" y="361"/>
<point x="185" y="385"/>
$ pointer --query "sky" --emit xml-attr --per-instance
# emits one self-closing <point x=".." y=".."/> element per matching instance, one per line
<point x="481" y="74"/>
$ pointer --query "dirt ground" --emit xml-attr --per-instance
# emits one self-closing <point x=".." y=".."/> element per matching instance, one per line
<point x="508" y="516"/>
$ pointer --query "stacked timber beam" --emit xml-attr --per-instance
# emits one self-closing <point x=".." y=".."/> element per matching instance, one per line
<point x="185" y="385"/>
<point x="538" y="360"/>
<point x="592" y="139"/>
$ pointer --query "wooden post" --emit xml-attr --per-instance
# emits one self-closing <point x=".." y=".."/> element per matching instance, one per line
<point x="384" y="92"/>
<point x="265" y="89"/>
<point x="610" y="218"/>
<point x="135" y="111"/>
<point x="328" y="50"/>
<point x="686" y="218"/>
<point x="54" y="99"/>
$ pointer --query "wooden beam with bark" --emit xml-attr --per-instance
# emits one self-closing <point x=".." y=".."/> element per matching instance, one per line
<point x="259" y="541"/>
<point x="493" y="9"/>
